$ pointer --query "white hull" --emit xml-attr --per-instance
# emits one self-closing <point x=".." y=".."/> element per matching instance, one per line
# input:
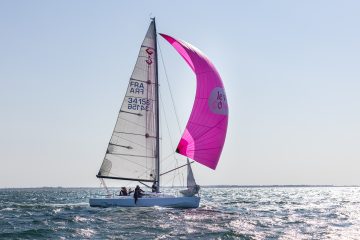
<point x="146" y="201"/>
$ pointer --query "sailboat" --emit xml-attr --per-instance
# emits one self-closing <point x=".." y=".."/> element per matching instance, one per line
<point x="133" y="152"/>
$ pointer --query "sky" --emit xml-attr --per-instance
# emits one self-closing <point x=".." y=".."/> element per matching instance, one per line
<point x="290" y="70"/>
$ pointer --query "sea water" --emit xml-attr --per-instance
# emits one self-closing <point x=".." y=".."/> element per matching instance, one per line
<point x="224" y="213"/>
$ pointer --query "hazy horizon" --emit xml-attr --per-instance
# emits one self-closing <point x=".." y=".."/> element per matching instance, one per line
<point x="205" y="186"/>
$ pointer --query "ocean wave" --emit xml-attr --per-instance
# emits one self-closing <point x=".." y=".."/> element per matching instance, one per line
<point x="236" y="213"/>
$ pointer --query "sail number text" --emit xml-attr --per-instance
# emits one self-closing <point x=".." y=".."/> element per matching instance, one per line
<point x="138" y="103"/>
<point x="136" y="87"/>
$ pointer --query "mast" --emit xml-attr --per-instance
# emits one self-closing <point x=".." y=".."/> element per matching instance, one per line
<point x="157" y="125"/>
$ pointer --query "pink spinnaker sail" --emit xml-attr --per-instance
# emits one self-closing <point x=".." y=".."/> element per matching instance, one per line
<point x="205" y="132"/>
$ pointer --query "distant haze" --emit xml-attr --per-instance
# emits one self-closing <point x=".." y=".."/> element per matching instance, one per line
<point x="290" y="69"/>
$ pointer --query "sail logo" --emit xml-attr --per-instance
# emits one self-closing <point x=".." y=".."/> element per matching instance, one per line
<point x="218" y="102"/>
<point x="149" y="52"/>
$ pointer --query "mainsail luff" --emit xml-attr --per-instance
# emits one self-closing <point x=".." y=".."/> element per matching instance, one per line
<point x="132" y="150"/>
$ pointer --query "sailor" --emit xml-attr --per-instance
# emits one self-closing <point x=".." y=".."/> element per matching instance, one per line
<point x="154" y="187"/>
<point x="123" y="191"/>
<point x="138" y="193"/>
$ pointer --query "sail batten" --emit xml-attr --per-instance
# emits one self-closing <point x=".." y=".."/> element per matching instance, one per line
<point x="205" y="132"/>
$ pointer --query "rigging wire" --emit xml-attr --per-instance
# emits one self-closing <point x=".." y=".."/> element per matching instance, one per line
<point x="166" y="122"/>
<point x="168" y="129"/>
<point x="170" y="91"/>
<point x="181" y="179"/>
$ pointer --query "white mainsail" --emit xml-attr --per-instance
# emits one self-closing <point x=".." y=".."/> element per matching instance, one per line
<point x="133" y="147"/>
